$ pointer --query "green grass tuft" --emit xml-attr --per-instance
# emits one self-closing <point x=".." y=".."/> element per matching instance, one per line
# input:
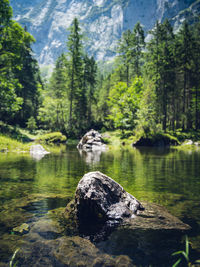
<point x="8" y="144"/>
<point x="52" y="138"/>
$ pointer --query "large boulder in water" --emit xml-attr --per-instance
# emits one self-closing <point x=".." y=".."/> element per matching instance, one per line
<point x="99" y="200"/>
<point x="101" y="204"/>
<point x="91" y="141"/>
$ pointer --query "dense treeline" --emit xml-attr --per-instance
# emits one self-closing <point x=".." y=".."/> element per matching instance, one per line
<point x="154" y="86"/>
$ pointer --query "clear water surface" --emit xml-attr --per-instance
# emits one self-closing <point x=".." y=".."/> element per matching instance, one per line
<point x="30" y="187"/>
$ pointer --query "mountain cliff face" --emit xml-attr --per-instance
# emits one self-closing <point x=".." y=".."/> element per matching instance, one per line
<point x="102" y="21"/>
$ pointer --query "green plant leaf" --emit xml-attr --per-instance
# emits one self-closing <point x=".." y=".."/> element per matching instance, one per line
<point x="185" y="255"/>
<point x="176" y="263"/>
<point x="177" y="253"/>
<point x="187" y="246"/>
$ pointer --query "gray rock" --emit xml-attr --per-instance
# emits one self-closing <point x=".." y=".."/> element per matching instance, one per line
<point x="38" y="151"/>
<point x="101" y="200"/>
<point x="67" y="251"/>
<point x="197" y="143"/>
<point x="101" y="204"/>
<point x="188" y="143"/>
<point x="48" y="20"/>
<point x="91" y="141"/>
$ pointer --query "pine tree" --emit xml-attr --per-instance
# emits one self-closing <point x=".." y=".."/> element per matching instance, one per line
<point x="196" y="76"/>
<point x="58" y="87"/>
<point x="125" y="53"/>
<point x="138" y="45"/>
<point x="30" y="80"/>
<point x="160" y="67"/>
<point x="184" y="54"/>
<point x="77" y="94"/>
<point x="89" y="82"/>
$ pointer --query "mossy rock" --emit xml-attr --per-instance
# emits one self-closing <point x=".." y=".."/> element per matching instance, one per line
<point x="52" y="138"/>
<point x="158" y="140"/>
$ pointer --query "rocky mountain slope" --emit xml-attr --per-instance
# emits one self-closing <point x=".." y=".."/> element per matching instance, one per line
<point x="102" y="21"/>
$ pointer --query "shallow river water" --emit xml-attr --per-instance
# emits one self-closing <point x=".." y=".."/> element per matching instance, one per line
<point x="31" y="188"/>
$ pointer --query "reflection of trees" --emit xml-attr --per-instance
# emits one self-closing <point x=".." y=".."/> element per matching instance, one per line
<point x="151" y="173"/>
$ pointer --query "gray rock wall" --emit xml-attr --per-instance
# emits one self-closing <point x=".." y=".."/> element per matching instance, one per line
<point x="103" y="22"/>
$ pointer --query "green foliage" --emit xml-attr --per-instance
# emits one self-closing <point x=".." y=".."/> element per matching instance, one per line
<point x="124" y="102"/>
<point x="89" y="82"/>
<point x="13" y="132"/>
<point x="130" y="49"/>
<point x="53" y="113"/>
<point x="151" y="87"/>
<point x="190" y="135"/>
<point x="76" y="90"/>
<point x="146" y="123"/>
<point x="5" y="12"/>
<point x="160" y="67"/>
<point x="31" y="124"/>
<point x="8" y="144"/>
<point x="19" y="74"/>
<point x="52" y="138"/>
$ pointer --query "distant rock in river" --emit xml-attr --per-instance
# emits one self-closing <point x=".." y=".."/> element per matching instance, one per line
<point x="91" y="141"/>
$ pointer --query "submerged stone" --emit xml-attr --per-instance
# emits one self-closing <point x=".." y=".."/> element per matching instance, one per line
<point x="148" y="239"/>
<point x="22" y="229"/>
<point x="67" y="251"/>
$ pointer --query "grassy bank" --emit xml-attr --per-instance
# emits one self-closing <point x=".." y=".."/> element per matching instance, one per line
<point x="14" y="139"/>
<point x="8" y="144"/>
<point x="115" y="138"/>
<point x="184" y="140"/>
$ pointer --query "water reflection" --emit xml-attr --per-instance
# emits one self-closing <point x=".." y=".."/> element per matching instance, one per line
<point x="91" y="157"/>
<point x="37" y="156"/>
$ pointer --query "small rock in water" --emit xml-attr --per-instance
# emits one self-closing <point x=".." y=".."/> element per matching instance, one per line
<point x="22" y="229"/>
<point x="188" y="142"/>
<point x="38" y="151"/>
